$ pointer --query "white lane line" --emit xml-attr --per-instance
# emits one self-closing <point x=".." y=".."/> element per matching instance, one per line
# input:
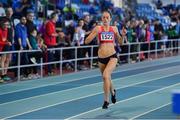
<point x="150" y="111"/>
<point x="84" y="86"/>
<point x="85" y="97"/>
<point x="74" y="117"/>
<point x="83" y="78"/>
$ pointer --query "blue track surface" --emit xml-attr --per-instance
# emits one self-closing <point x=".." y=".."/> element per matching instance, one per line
<point x="63" y="86"/>
<point x="83" y="98"/>
<point x="159" y="114"/>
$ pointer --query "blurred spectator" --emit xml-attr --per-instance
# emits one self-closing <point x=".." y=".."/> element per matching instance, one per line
<point x="118" y="49"/>
<point x="134" y="30"/>
<point x="86" y="26"/>
<point x="21" y="7"/>
<point x="129" y="31"/>
<point x="9" y="13"/>
<point x="124" y="34"/>
<point x="40" y="42"/>
<point x="61" y="41"/>
<point x="92" y="25"/>
<point x="50" y="31"/>
<point x="79" y="35"/>
<point x="151" y="29"/>
<point x="118" y="24"/>
<point x="87" y="29"/>
<point x="33" y="39"/>
<point x="70" y="29"/>
<point x="4" y="47"/>
<point x="69" y="11"/>
<point x="124" y="48"/>
<point x="42" y="28"/>
<point x="141" y="32"/>
<point x="171" y="32"/>
<point x="178" y="26"/>
<point x="34" y="56"/>
<point x="30" y="24"/>
<point x="22" y="43"/>
<point x="78" y="40"/>
<point x="148" y="33"/>
<point x="158" y="30"/>
<point x="146" y="45"/>
<point x="50" y="38"/>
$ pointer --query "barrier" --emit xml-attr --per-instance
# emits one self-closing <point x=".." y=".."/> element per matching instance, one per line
<point x="133" y="50"/>
<point x="176" y="102"/>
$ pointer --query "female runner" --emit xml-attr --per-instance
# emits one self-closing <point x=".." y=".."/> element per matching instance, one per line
<point x="107" y="58"/>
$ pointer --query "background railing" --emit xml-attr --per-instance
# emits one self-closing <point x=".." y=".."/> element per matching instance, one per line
<point x="130" y="53"/>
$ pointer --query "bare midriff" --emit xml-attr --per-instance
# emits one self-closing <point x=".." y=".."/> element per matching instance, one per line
<point x="106" y="50"/>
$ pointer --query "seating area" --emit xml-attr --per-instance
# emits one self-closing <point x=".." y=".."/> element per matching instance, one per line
<point x="150" y="12"/>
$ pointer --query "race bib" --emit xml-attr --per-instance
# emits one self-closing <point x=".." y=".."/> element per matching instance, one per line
<point x="107" y="36"/>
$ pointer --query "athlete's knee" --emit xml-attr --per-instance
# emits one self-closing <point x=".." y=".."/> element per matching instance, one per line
<point x="106" y="76"/>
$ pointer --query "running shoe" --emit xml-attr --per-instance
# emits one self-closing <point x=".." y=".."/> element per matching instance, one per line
<point x="113" y="97"/>
<point x="105" y="105"/>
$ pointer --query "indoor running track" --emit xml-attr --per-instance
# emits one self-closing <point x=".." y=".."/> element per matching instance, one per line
<point x="144" y="91"/>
